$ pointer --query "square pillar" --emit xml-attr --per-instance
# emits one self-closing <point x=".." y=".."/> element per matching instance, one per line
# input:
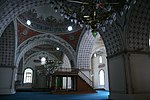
<point x="129" y="77"/>
<point x="7" y="80"/>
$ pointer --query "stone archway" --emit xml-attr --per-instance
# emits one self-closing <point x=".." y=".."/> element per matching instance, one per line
<point x="113" y="43"/>
<point x="46" y="39"/>
<point x="112" y="39"/>
<point x="118" y="44"/>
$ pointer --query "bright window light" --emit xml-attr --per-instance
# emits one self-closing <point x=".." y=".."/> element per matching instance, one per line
<point x="57" y="48"/>
<point x="102" y="80"/>
<point x="69" y="28"/>
<point x="94" y="54"/>
<point x="43" y="60"/>
<point x="67" y="83"/>
<point x="28" y="22"/>
<point x="100" y="59"/>
<point x="28" y="75"/>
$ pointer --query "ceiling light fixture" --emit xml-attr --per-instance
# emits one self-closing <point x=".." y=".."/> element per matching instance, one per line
<point x="28" y="22"/>
<point x="43" y="60"/>
<point x="57" y="48"/>
<point x="69" y="28"/>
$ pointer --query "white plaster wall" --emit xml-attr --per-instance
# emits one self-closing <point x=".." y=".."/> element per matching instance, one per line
<point x="66" y="62"/>
<point x="106" y="75"/>
<point x="99" y="46"/>
<point x="86" y="72"/>
<point x="96" y="70"/>
<point x="140" y="70"/>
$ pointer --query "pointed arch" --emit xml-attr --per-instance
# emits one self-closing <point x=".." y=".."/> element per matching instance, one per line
<point x="46" y="39"/>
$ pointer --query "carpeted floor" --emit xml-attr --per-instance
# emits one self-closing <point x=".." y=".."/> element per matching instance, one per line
<point x="100" y="95"/>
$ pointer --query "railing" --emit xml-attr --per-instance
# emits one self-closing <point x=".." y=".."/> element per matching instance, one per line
<point x="84" y="77"/>
<point x="67" y="70"/>
<point x="80" y="73"/>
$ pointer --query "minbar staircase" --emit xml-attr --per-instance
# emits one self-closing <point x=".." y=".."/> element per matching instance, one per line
<point x="82" y="84"/>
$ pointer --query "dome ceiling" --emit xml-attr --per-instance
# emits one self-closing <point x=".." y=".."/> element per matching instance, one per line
<point x="45" y="19"/>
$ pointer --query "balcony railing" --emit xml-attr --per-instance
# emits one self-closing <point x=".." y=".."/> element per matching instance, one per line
<point x="79" y="72"/>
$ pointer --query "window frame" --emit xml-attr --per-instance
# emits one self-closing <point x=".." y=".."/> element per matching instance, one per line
<point x="102" y="83"/>
<point x="27" y="77"/>
<point x="100" y="59"/>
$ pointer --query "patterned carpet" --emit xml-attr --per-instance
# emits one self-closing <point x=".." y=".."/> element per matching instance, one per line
<point x="100" y="95"/>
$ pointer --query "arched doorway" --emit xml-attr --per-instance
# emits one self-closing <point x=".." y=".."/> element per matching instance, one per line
<point x="99" y="64"/>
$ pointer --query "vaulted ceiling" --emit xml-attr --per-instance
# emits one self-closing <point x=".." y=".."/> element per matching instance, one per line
<point x="44" y="19"/>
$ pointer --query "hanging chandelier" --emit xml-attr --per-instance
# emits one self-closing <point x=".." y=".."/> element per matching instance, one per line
<point x="49" y="67"/>
<point x="91" y="13"/>
<point x="94" y="14"/>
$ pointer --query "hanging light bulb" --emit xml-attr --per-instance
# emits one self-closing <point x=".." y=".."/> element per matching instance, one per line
<point x="56" y="8"/>
<point x="43" y="60"/>
<point x="93" y="12"/>
<point x="57" y="48"/>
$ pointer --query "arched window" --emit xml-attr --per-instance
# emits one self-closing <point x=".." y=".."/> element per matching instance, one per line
<point x="28" y="74"/>
<point x="43" y="60"/>
<point x="100" y="59"/>
<point x="102" y="77"/>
